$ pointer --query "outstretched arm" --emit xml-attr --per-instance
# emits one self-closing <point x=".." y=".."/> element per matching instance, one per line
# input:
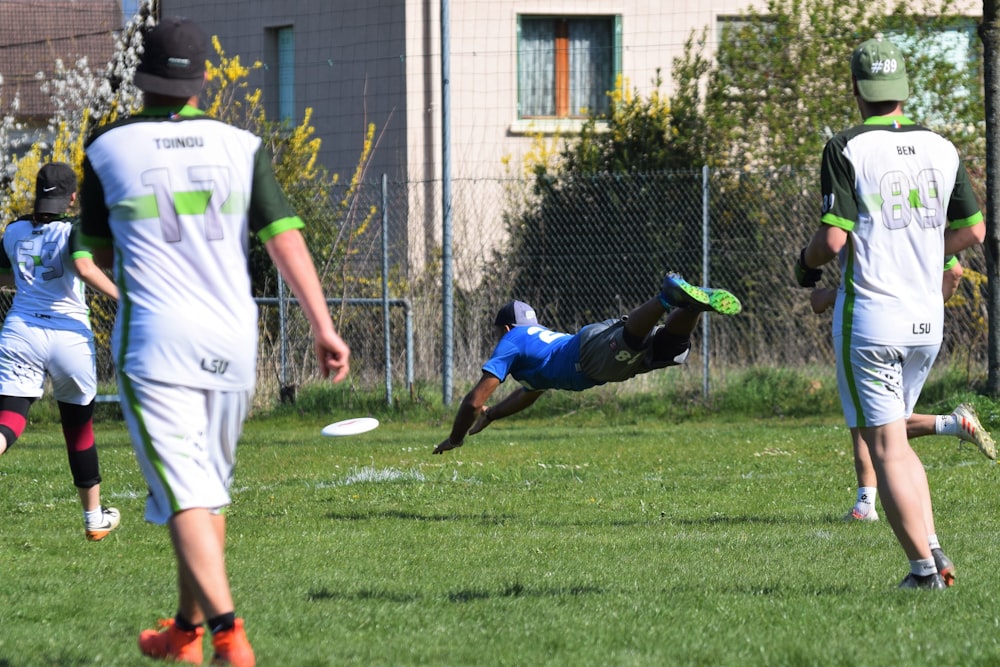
<point x="473" y="409"/>
<point x="518" y="400"/>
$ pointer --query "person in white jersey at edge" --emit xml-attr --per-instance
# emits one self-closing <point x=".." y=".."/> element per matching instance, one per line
<point x="47" y="332"/>
<point x="171" y="197"/>
<point x="962" y="422"/>
<point x="896" y="201"/>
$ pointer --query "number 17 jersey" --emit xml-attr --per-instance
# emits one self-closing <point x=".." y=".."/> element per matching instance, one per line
<point x="894" y="186"/>
<point x="177" y="195"/>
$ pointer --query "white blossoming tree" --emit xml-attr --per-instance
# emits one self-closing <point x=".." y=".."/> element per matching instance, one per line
<point x="82" y="97"/>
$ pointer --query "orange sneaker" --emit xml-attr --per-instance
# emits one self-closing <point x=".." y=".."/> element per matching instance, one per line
<point x="169" y="643"/>
<point x="233" y="648"/>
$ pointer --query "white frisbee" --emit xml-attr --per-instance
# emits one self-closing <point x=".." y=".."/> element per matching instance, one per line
<point x="350" y="426"/>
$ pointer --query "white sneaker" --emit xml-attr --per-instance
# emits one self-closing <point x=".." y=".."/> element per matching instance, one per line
<point x="856" y="515"/>
<point x="970" y="430"/>
<point x="98" y="530"/>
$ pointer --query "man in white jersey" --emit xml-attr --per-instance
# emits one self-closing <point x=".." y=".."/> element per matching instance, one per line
<point x="963" y="422"/>
<point x="176" y="195"/>
<point x="896" y="201"/>
<point x="47" y="333"/>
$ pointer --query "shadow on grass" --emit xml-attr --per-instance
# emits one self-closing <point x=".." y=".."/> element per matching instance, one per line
<point x="517" y="590"/>
<point x="504" y="519"/>
<point x="365" y="594"/>
<point x="417" y="516"/>
<point x="743" y="520"/>
<point x="513" y="590"/>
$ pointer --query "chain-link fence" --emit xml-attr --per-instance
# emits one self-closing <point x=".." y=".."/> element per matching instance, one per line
<point x="591" y="248"/>
<point x="578" y="250"/>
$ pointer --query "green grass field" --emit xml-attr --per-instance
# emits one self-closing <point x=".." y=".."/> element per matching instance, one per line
<point x="565" y="537"/>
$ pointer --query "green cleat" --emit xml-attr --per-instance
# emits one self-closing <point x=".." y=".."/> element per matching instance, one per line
<point x="679" y="293"/>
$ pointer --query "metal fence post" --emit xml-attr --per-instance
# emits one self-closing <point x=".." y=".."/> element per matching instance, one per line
<point x="385" y="289"/>
<point x="447" y="270"/>
<point x="705" y="228"/>
<point x="283" y="332"/>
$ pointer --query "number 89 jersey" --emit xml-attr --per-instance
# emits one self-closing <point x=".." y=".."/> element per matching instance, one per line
<point x="894" y="187"/>
<point x="177" y="196"/>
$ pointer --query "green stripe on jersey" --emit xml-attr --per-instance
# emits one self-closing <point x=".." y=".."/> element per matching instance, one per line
<point x="193" y="202"/>
<point x="847" y="333"/>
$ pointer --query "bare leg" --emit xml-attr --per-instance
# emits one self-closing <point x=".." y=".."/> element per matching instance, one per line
<point x="902" y="483"/>
<point x="918" y="426"/>
<point x="643" y="318"/>
<point x="862" y="460"/>
<point x="90" y="499"/>
<point x="199" y="538"/>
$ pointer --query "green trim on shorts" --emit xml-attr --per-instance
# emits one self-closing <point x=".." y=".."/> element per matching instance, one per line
<point x="128" y="392"/>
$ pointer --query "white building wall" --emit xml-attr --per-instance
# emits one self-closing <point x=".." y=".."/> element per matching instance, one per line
<point x="487" y="141"/>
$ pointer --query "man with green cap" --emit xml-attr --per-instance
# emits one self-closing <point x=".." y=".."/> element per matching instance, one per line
<point x="896" y="201"/>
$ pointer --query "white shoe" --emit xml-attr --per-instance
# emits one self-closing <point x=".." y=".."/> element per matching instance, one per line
<point x="856" y="515"/>
<point x="970" y="430"/>
<point x="98" y="530"/>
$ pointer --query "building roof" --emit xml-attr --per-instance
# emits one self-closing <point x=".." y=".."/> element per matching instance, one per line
<point x="35" y="33"/>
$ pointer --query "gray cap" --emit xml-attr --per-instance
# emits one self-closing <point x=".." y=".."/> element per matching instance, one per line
<point x="516" y="314"/>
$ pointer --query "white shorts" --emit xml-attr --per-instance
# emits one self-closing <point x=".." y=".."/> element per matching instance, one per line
<point x="880" y="384"/>
<point x="185" y="440"/>
<point x="28" y="353"/>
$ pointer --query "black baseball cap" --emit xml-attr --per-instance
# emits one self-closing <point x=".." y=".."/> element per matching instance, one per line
<point x="516" y="314"/>
<point x="54" y="188"/>
<point x="173" y="58"/>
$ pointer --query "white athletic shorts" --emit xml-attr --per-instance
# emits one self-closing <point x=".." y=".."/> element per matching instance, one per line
<point x="880" y="384"/>
<point x="185" y="441"/>
<point x="28" y="352"/>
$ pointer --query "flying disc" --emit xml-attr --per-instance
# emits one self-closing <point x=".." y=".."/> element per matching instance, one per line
<point x="350" y="426"/>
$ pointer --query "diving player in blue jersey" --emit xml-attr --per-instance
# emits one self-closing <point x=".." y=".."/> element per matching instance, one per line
<point x="609" y="351"/>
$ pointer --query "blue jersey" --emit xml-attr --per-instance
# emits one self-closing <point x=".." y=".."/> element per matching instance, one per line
<point x="539" y="359"/>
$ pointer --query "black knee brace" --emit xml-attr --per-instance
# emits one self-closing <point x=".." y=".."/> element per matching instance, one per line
<point x="78" y="430"/>
<point x="13" y="417"/>
<point x="85" y="468"/>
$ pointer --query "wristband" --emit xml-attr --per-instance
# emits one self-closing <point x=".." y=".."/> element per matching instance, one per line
<point x="804" y="275"/>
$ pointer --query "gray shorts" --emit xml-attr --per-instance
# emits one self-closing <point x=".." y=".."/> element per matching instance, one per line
<point x="604" y="356"/>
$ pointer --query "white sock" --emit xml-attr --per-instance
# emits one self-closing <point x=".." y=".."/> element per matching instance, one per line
<point x="866" y="498"/>
<point x="93" y="516"/>
<point x="923" y="567"/>
<point x="946" y="425"/>
<point x="932" y="540"/>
